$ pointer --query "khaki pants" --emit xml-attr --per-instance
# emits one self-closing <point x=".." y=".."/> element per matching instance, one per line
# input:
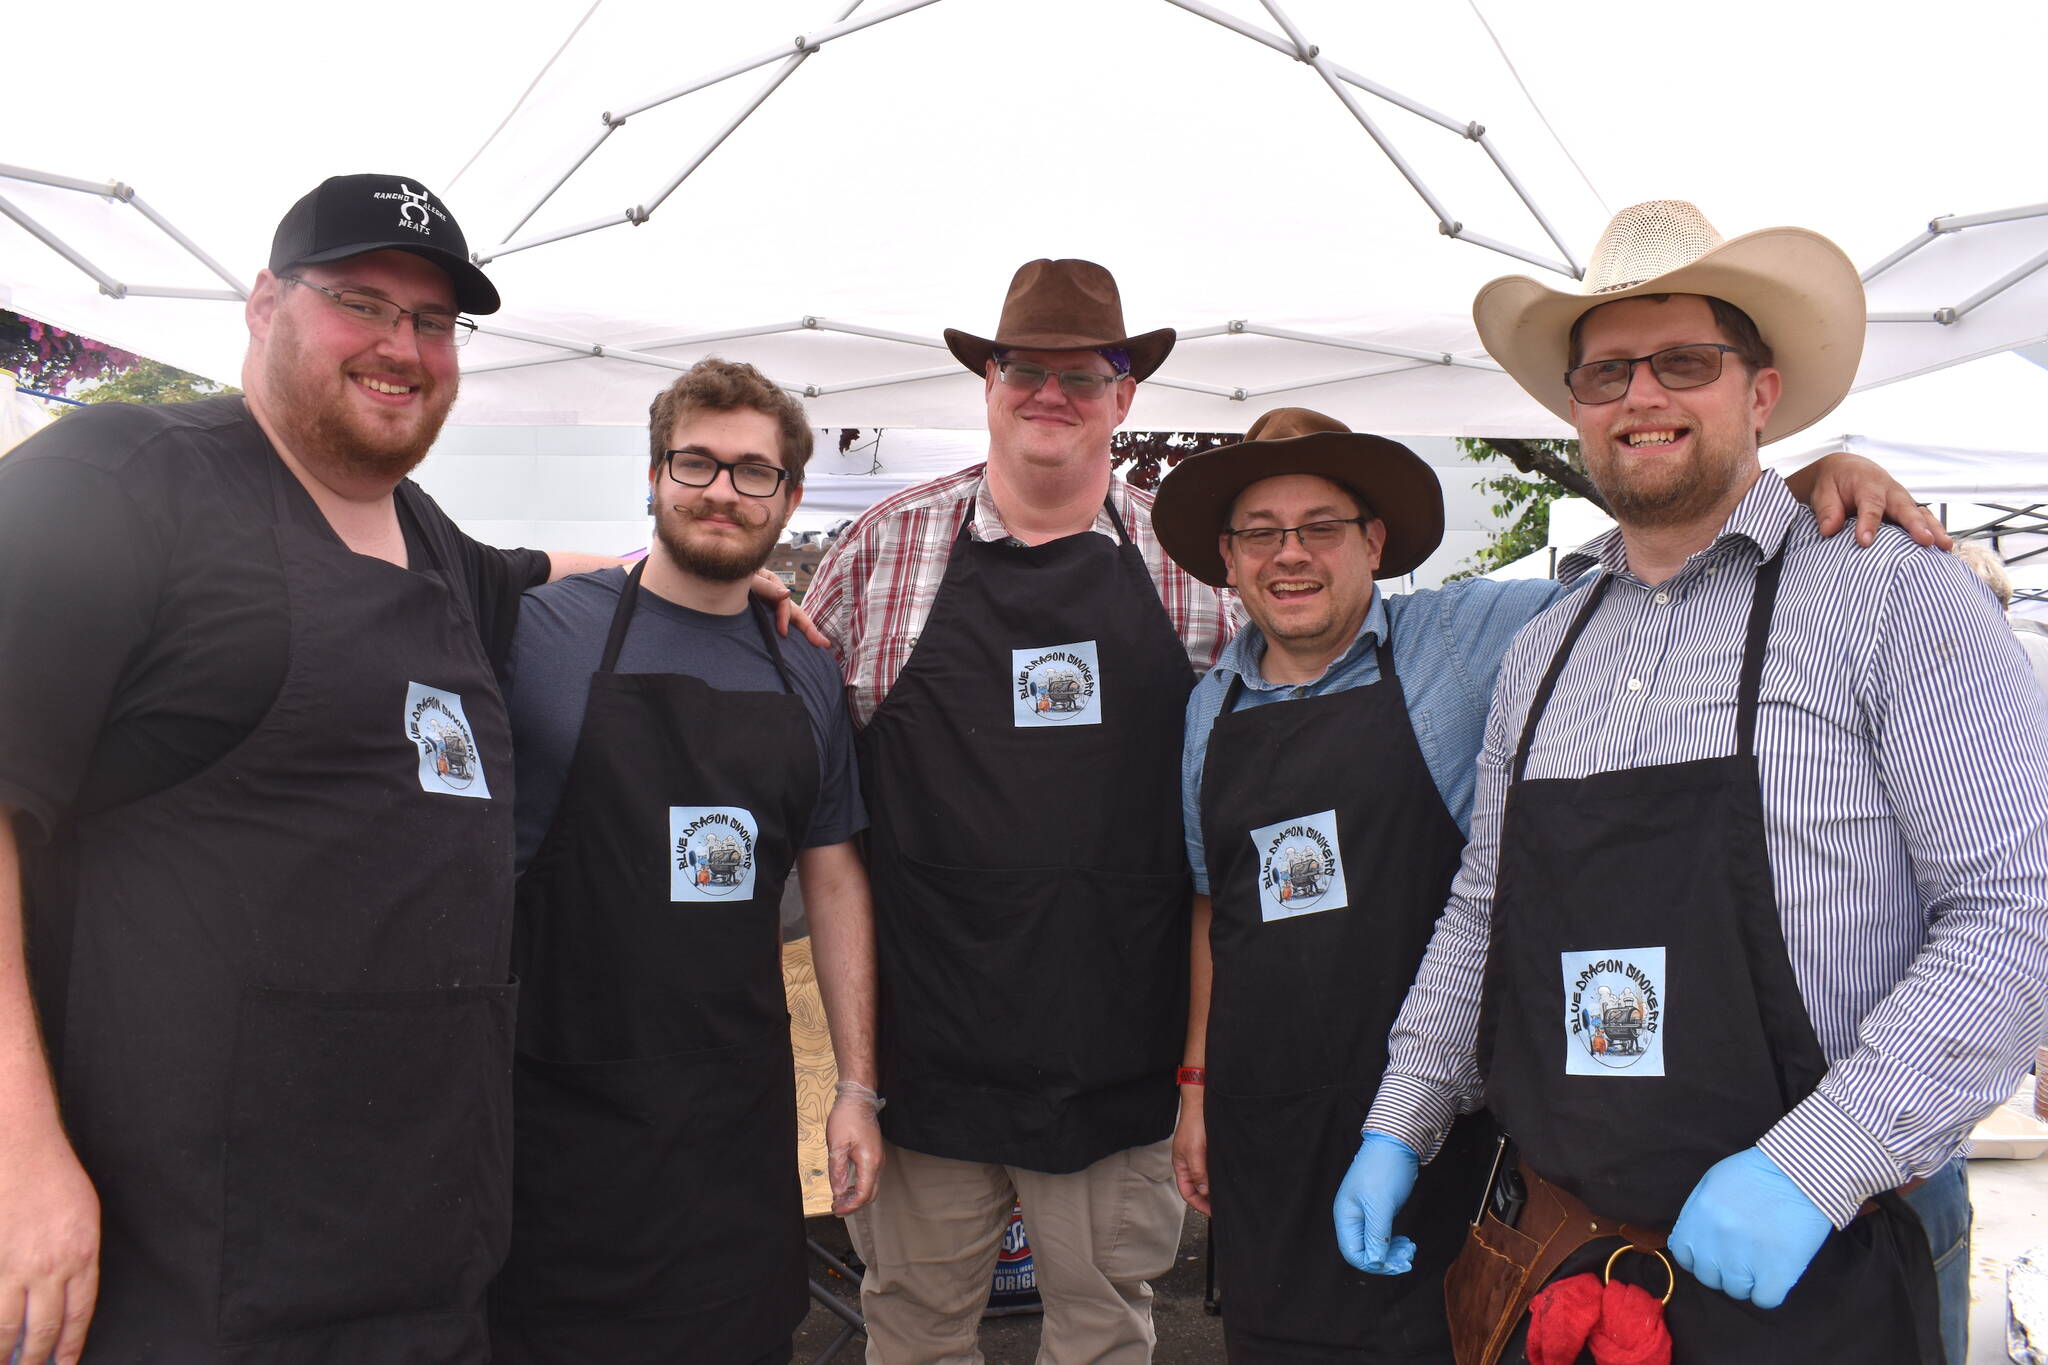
<point x="931" y="1235"/>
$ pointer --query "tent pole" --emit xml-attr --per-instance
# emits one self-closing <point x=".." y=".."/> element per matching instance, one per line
<point x="1577" y="271"/>
<point x="135" y="202"/>
<point x="559" y="234"/>
<point x="731" y="125"/>
<point x="108" y="285"/>
<point x="1995" y="288"/>
<point x="610" y="126"/>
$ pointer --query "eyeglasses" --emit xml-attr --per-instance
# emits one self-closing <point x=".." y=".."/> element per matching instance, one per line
<point x="694" y="469"/>
<point x="1314" y="537"/>
<point x="1022" y="374"/>
<point x="377" y="315"/>
<point x="1676" y="367"/>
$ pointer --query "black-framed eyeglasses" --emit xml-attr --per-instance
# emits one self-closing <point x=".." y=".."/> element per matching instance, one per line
<point x="695" y="469"/>
<point x="379" y="315"/>
<point x="1022" y="374"/>
<point x="1314" y="536"/>
<point x="1676" y="367"/>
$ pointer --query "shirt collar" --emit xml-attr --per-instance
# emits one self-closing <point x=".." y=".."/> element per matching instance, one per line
<point x="1247" y="649"/>
<point x="988" y="518"/>
<point x="1760" y="520"/>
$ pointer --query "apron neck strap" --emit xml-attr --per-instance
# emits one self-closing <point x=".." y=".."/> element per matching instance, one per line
<point x="622" y="616"/>
<point x="1755" y="645"/>
<point x="629" y="598"/>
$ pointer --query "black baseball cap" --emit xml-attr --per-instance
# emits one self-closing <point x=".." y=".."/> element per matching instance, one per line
<point x="347" y="215"/>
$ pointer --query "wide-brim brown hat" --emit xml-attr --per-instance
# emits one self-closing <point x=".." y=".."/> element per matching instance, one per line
<point x="1192" y="507"/>
<point x="1802" y="293"/>
<point x="1062" y="306"/>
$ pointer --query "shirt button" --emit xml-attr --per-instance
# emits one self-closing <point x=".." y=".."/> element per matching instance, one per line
<point x="1301" y="691"/>
<point x="1662" y="599"/>
<point x="1635" y="684"/>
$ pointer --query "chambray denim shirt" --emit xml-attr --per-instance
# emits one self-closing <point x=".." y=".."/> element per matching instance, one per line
<point x="1448" y="644"/>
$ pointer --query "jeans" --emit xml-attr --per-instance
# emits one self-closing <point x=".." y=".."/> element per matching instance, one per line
<point x="1943" y="1204"/>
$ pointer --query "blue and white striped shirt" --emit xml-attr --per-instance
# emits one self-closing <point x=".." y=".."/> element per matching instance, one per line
<point x="1903" y="749"/>
<point x="1448" y="644"/>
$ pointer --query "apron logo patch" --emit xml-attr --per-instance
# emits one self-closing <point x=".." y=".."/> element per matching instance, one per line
<point x="1614" y="1012"/>
<point x="1300" y="867"/>
<point x="449" y="762"/>
<point x="714" y="853"/>
<point x="1057" y="685"/>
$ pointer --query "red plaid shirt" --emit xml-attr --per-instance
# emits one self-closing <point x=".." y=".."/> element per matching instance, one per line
<point x="875" y="586"/>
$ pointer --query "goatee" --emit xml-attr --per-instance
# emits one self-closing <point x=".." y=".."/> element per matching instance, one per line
<point x="715" y="563"/>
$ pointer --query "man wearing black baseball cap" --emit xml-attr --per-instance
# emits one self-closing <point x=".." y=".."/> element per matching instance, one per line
<point x="260" y="775"/>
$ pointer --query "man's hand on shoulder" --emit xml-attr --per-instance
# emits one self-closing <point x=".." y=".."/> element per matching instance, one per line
<point x="1839" y="484"/>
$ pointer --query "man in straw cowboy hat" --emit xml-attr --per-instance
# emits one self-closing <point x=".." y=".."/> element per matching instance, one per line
<point x="1718" y="773"/>
<point x="1316" y="885"/>
<point x="1018" y="650"/>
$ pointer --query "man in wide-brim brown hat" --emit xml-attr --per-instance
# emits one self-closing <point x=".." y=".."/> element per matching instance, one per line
<point x="1720" y="774"/>
<point x="1018" y="650"/>
<point x="1327" y="783"/>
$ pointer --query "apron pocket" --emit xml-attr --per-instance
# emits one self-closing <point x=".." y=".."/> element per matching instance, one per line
<point x="367" y="1170"/>
<point x="657" y="1183"/>
<point x="1057" y="977"/>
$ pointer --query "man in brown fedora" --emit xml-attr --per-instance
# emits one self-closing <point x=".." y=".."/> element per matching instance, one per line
<point x="1018" y="650"/>
<point x="1326" y="787"/>
<point x="1717" y="774"/>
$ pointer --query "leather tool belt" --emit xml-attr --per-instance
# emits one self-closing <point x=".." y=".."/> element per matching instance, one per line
<point x="1501" y="1268"/>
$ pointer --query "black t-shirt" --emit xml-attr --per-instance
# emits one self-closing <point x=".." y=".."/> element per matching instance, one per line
<point x="143" y="622"/>
<point x="562" y="631"/>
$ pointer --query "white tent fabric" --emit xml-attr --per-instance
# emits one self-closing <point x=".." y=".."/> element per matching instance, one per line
<point x="20" y="416"/>
<point x="891" y="181"/>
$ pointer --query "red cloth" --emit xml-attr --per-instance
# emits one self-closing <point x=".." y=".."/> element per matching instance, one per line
<point x="1561" y="1318"/>
<point x="1630" y="1330"/>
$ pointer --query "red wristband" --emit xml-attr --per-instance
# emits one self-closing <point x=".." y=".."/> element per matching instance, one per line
<point x="1192" y="1075"/>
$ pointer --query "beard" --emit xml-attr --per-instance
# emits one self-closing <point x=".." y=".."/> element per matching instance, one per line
<point x="314" y="415"/>
<point x="1656" y="498"/>
<point x="716" y="563"/>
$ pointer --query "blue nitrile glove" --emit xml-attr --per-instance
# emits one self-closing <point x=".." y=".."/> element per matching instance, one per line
<point x="1747" y="1230"/>
<point x="1373" y="1191"/>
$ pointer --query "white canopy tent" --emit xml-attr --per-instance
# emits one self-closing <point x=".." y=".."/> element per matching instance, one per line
<point x="1276" y="179"/>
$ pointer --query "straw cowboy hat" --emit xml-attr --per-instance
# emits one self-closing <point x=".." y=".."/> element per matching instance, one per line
<point x="1062" y="306"/>
<point x="1801" y="291"/>
<point x="1192" y="506"/>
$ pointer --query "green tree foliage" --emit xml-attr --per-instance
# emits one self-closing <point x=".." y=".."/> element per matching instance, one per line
<point x="1547" y="471"/>
<point x="151" y="381"/>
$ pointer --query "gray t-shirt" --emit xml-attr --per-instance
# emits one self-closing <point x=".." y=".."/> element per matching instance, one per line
<point x="560" y="641"/>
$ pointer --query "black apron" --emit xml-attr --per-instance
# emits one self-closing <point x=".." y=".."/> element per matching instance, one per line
<point x="1641" y="1021"/>
<point x="657" y="1213"/>
<point x="1308" y="977"/>
<point x="1030" y="878"/>
<point x="286" y="1044"/>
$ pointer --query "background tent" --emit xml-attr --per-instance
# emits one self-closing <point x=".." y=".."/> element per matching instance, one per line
<point x="891" y="179"/>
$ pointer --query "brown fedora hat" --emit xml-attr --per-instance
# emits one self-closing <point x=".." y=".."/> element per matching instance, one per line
<point x="1061" y="306"/>
<point x="1193" y="503"/>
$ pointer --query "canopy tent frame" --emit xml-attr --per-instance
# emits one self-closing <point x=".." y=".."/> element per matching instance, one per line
<point x="1937" y="228"/>
<point x="1216" y="379"/>
<point x="115" y="191"/>
<point x="807" y="45"/>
